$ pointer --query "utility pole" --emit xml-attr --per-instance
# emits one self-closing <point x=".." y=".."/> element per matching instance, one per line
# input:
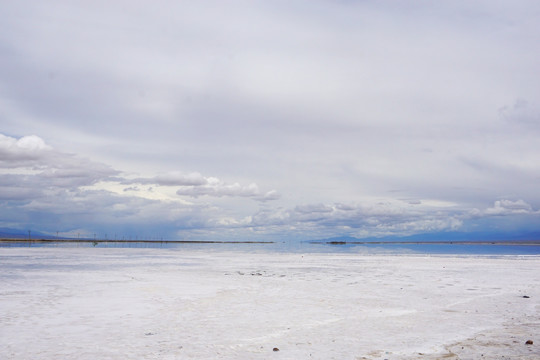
<point x="29" y="237"/>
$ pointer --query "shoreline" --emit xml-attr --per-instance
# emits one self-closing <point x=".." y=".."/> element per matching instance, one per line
<point x="333" y="243"/>
<point x="458" y="242"/>
<point x="134" y="241"/>
<point x="314" y="242"/>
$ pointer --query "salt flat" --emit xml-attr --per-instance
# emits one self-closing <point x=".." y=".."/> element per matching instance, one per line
<point x="95" y="303"/>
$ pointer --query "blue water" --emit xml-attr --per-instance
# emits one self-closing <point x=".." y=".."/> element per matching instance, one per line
<point x="307" y="247"/>
<point x="457" y="249"/>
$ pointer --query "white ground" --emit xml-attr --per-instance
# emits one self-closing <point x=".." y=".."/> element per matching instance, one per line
<point x="92" y="303"/>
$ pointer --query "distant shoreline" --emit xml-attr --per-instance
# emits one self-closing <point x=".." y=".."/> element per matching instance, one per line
<point x="133" y="241"/>
<point x="483" y="242"/>
<point x="322" y="242"/>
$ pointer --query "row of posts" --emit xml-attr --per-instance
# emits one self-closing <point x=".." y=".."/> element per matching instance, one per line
<point x="106" y="238"/>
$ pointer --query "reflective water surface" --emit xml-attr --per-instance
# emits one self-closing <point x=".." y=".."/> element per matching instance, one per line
<point x="457" y="248"/>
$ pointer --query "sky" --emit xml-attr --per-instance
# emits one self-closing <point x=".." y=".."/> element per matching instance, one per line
<point x="269" y="120"/>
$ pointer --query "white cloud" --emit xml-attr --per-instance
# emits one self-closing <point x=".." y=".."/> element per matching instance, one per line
<point x="360" y="220"/>
<point x="270" y="195"/>
<point x="46" y="168"/>
<point x="218" y="188"/>
<point x="174" y="178"/>
<point x="196" y="185"/>
<point x="509" y="207"/>
<point x="27" y="148"/>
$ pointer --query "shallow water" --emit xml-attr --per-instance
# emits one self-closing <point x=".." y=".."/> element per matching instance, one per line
<point x="426" y="248"/>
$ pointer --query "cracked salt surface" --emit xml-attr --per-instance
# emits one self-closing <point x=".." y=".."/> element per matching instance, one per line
<point x="64" y="303"/>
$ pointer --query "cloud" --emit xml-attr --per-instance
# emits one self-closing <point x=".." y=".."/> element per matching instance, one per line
<point x="174" y="178"/>
<point x="195" y="185"/>
<point x="522" y="112"/>
<point x="360" y="220"/>
<point x="31" y="168"/>
<point x="383" y="218"/>
<point x="131" y="188"/>
<point x="43" y="186"/>
<point x="23" y="151"/>
<point x="507" y="207"/>
<point x="56" y="170"/>
<point x="218" y="188"/>
<point x="17" y="192"/>
<point x="28" y="162"/>
<point x="270" y="195"/>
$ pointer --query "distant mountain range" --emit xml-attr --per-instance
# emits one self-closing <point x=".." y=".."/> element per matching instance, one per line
<point x="9" y="233"/>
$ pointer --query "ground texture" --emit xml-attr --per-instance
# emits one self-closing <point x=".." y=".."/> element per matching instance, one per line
<point x="65" y="303"/>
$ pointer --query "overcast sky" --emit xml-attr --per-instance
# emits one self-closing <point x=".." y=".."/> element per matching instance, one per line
<point x="265" y="120"/>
